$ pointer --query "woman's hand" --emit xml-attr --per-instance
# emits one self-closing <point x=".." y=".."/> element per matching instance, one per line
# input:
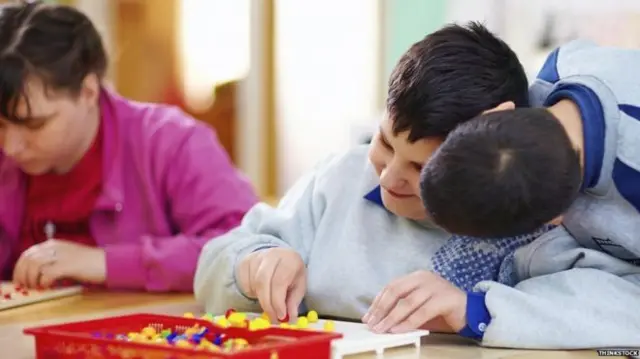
<point x="45" y="263"/>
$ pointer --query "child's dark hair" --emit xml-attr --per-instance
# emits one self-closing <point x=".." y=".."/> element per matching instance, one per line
<point x="502" y="174"/>
<point x="57" y="44"/>
<point x="449" y="77"/>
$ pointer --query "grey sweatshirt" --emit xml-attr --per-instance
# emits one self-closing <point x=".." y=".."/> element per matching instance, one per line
<point x="351" y="246"/>
<point x="580" y="283"/>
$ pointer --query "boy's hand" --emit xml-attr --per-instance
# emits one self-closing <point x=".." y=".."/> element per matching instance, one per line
<point x="409" y="302"/>
<point x="45" y="263"/>
<point x="277" y="277"/>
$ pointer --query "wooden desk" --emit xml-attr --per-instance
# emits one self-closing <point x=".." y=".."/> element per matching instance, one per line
<point x="89" y="304"/>
<point x="93" y="305"/>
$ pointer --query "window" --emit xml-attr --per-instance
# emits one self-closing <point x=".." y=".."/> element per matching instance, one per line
<point x="214" y="46"/>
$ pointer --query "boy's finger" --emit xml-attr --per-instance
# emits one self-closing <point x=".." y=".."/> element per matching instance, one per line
<point x="261" y="282"/>
<point x="295" y="296"/>
<point x="403" y="309"/>
<point x="428" y="311"/>
<point x="389" y="298"/>
<point x="367" y="316"/>
<point x="283" y="279"/>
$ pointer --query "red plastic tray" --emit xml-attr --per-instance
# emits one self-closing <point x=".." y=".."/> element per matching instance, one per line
<point x="81" y="340"/>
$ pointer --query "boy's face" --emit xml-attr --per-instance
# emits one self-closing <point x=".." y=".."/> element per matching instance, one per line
<point x="398" y="164"/>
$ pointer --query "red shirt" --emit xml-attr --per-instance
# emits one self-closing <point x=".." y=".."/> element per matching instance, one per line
<point x="65" y="200"/>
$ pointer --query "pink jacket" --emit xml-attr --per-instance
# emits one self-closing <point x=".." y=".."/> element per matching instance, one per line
<point x="169" y="187"/>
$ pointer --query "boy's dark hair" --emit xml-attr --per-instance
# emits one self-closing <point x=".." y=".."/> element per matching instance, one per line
<point x="502" y="174"/>
<point x="449" y="77"/>
<point x="57" y="44"/>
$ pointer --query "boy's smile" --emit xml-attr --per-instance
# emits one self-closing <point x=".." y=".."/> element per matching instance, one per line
<point x="398" y="163"/>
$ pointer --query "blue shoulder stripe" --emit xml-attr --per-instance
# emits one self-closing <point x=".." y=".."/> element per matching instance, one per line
<point x="549" y="71"/>
<point x="625" y="177"/>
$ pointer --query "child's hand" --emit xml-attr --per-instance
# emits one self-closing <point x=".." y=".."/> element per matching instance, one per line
<point x="409" y="302"/>
<point x="277" y="277"/>
<point x="43" y="264"/>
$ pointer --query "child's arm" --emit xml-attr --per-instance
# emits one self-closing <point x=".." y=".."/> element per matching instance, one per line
<point x="291" y="225"/>
<point x="572" y="297"/>
<point x="205" y="197"/>
<point x="578" y="308"/>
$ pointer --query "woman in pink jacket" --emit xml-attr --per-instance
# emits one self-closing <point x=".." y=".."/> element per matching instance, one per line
<point x="95" y="188"/>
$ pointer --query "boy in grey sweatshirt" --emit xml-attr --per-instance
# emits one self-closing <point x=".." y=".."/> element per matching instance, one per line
<point x="574" y="159"/>
<point x="354" y="230"/>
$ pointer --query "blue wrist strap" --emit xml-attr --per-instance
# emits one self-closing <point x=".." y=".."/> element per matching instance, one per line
<point x="478" y="317"/>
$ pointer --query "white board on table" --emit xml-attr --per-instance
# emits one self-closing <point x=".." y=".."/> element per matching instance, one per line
<point x="357" y="338"/>
<point x="32" y="296"/>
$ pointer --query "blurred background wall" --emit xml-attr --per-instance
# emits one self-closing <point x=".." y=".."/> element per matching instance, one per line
<point x="287" y="82"/>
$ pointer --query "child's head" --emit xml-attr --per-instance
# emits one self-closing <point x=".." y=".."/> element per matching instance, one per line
<point x="446" y="79"/>
<point x="51" y="63"/>
<point x="501" y="174"/>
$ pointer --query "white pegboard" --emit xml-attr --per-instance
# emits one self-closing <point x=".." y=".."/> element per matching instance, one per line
<point x="10" y="297"/>
<point x="357" y="338"/>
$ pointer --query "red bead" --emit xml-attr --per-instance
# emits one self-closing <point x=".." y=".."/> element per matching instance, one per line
<point x="7" y="296"/>
<point x="229" y="312"/>
<point x="285" y="319"/>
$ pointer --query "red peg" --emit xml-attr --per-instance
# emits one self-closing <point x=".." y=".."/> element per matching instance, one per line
<point x="229" y="312"/>
<point x="285" y="319"/>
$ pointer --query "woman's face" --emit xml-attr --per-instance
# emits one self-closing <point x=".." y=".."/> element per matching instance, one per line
<point x="56" y="128"/>
<point x="398" y="163"/>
